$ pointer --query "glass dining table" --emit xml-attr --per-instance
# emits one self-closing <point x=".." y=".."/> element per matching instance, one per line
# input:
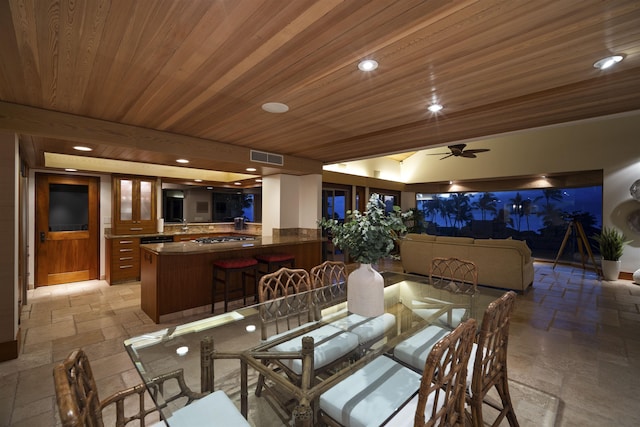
<point x="230" y="351"/>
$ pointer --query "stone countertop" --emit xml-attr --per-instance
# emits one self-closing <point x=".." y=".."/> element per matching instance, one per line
<point x="192" y="247"/>
<point x="195" y="231"/>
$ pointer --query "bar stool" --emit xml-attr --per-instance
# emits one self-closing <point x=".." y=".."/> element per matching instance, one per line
<point x="245" y="266"/>
<point x="274" y="261"/>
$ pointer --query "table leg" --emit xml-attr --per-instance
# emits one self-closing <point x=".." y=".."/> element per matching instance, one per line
<point x="244" y="403"/>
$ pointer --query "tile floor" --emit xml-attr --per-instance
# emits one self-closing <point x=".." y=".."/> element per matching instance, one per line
<point x="572" y="336"/>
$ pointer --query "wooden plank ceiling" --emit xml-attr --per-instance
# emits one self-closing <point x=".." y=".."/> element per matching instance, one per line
<point x="203" y="68"/>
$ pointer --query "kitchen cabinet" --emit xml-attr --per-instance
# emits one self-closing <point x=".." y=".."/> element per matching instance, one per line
<point x="123" y="259"/>
<point x="133" y="205"/>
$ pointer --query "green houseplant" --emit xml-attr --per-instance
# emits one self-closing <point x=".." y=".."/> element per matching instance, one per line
<point x="611" y="243"/>
<point x="367" y="237"/>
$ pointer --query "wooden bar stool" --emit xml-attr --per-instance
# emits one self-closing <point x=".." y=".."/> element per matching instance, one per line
<point x="246" y="266"/>
<point x="268" y="263"/>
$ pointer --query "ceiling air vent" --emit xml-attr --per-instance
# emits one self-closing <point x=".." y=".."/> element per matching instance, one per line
<point x="263" y="157"/>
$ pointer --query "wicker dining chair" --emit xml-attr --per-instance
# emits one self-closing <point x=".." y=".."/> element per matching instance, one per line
<point x="488" y="364"/>
<point x="284" y="306"/>
<point x="454" y="274"/>
<point x="280" y="307"/>
<point x="329" y="282"/>
<point x="80" y="406"/>
<point x="371" y="395"/>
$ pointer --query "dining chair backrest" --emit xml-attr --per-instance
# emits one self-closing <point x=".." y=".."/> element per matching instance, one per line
<point x="80" y="406"/>
<point x="441" y="397"/>
<point x="454" y="274"/>
<point x="76" y="392"/>
<point x="284" y="302"/>
<point x="490" y="361"/>
<point x="329" y="273"/>
<point x="329" y="282"/>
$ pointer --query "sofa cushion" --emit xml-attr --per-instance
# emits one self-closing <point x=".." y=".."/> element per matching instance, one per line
<point x="519" y="245"/>
<point x="450" y="239"/>
<point x="420" y="237"/>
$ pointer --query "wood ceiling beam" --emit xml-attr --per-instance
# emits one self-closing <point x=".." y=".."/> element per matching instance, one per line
<point x="38" y="122"/>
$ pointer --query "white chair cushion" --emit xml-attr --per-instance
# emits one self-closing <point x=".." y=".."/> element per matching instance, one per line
<point x="366" y="328"/>
<point x="406" y="416"/>
<point x="290" y="331"/>
<point x="457" y="314"/>
<point x="215" y="409"/>
<point x="414" y="350"/>
<point x="471" y="364"/>
<point x="330" y="344"/>
<point x="370" y="395"/>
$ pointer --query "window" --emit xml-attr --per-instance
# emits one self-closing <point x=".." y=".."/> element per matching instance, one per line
<point x="541" y="217"/>
<point x="68" y="207"/>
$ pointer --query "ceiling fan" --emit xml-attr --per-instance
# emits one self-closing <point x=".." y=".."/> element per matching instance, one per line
<point x="458" y="150"/>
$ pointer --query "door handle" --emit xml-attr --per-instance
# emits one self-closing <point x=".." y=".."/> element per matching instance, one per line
<point x="42" y="237"/>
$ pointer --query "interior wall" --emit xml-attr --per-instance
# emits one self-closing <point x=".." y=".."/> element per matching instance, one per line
<point x="310" y="201"/>
<point x="9" y="175"/>
<point x="578" y="146"/>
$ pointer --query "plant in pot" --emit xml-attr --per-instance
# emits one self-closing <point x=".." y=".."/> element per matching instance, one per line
<point x="367" y="237"/>
<point x="611" y="243"/>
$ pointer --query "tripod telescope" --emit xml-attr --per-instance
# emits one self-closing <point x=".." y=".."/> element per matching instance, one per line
<point x="576" y="226"/>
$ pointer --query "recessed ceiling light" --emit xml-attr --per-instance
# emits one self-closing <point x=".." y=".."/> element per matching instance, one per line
<point x="182" y="161"/>
<point x="237" y="183"/>
<point x="251" y="169"/>
<point x="197" y="180"/>
<point x="82" y="148"/>
<point x="71" y="170"/>
<point x="450" y="182"/>
<point x="434" y="108"/>
<point x="258" y="180"/>
<point x="607" y="62"/>
<point x="275" y="107"/>
<point x="209" y="188"/>
<point x="367" y="65"/>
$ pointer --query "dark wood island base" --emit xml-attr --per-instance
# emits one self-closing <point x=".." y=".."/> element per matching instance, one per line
<point x="178" y="276"/>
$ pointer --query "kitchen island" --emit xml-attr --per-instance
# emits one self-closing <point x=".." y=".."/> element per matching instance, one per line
<point x="176" y="278"/>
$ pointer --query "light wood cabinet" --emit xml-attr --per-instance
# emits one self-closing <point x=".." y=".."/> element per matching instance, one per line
<point x="133" y="205"/>
<point x="123" y="259"/>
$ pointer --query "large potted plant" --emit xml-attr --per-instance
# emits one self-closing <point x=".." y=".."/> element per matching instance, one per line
<point x="612" y="243"/>
<point x="367" y="237"/>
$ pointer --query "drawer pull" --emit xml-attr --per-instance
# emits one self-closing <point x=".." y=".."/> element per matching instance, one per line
<point x="122" y="267"/>
<point x="125" y="258"/>
<point x="126" y="242"/>
<point x="126" y="250"/>
<point x="135" y="228"/>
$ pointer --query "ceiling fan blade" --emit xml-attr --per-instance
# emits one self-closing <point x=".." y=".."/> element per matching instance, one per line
<point x="437" y="154"/>
<point x="478" y="150"/>
<point x="449" y="155"/>
<point x="468" y="154"/>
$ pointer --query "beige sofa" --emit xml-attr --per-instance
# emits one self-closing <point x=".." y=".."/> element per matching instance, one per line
<point x="502" y="263"/>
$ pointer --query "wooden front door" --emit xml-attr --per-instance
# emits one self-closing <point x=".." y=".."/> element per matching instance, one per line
<point x="67" y="222"/>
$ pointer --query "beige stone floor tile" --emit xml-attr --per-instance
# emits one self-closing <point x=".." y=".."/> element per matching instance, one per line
<point x="111" y="365"/>
<point x="62" y="347"/>
<point x="34" y="384"/>
<point x="26" y="361"/>
<point x="35" y="408"/>
<point x="96" y="324"/>
<point x="50" y="332"/>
